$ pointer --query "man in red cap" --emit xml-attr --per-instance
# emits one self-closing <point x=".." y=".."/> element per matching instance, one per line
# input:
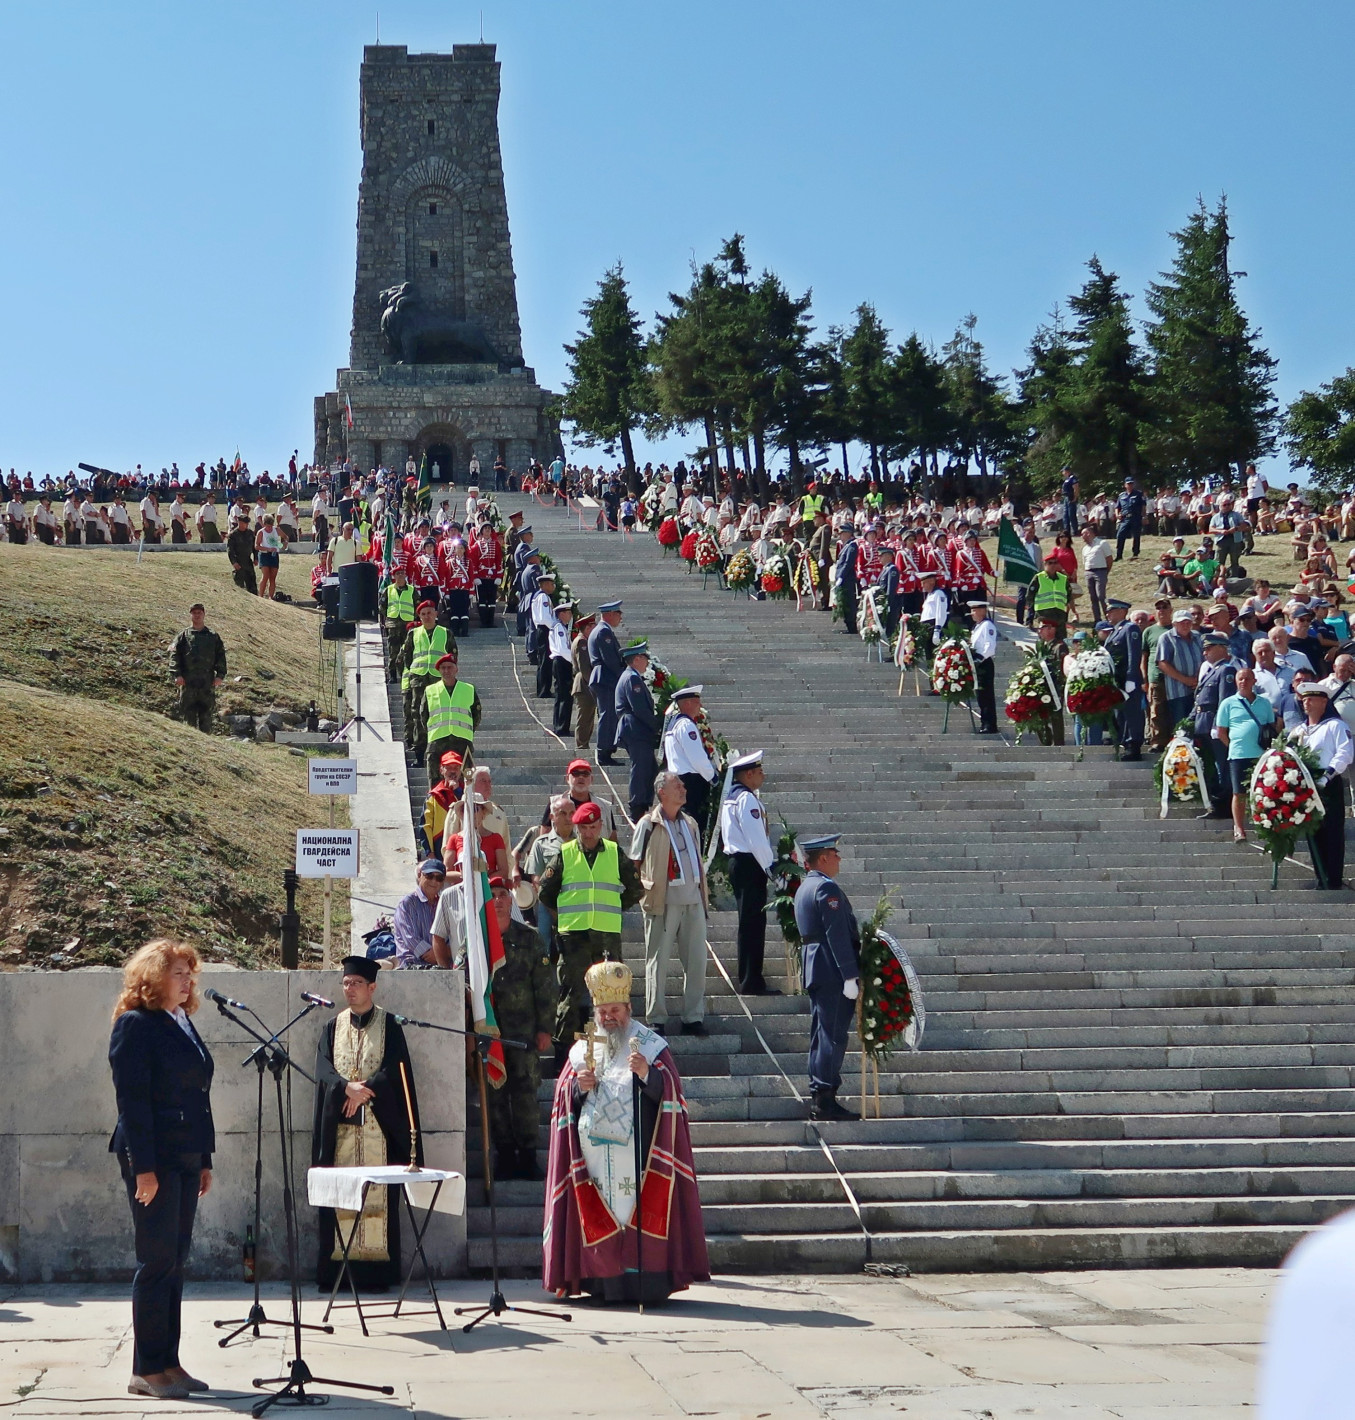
<point x="451" y="713"/>
<point x="585" y="890"/>
<point x="440" y="799"/>
<point x="425" y="645"/>
<point x="579" y="786"/>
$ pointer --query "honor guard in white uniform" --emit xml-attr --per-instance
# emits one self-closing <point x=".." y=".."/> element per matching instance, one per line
<point x="685" y="755"/>
<point x="541" y="610"/>
<point x="743" y="830"/>
<point x="983" y="647"/>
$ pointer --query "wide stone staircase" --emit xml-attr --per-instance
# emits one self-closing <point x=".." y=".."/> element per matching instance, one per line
<point x="1136" y="1053"/>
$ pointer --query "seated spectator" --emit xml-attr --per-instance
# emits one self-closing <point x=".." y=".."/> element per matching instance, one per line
<point x="1201" y="569"/>
<point x="1263" y="602"/>
<point x="412" y="926"/>
<point x="492" y="857"/>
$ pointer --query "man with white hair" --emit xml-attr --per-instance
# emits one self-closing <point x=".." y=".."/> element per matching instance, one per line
<point x="1342" y="683"/>
<point x="620" y="1079"/>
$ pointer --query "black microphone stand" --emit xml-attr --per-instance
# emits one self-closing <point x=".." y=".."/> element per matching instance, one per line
<point x="257" y="1316"/>
<point x="498" y="1303"/>
<point x="298" y="1375"/>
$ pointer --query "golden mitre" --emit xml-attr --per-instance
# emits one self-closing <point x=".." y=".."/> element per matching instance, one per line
<point x="608" y="983"/>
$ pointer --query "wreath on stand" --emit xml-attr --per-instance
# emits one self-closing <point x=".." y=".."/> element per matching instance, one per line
<point x="1178" y="775"/>
<point x="1032" y="697"/>
<point x="741" y="573"/>
<point x="1283" y="803"/>
<point x="890" y="1011"/>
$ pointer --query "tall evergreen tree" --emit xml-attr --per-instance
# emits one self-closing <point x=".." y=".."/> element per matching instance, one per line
<point x="1045" y="390"/>
<point x="1105" y="405"/>
<point x="868" y="376"/>
<point x="976" y="400"/>
<point x="608" y="393"/>
<point x="685" y="361"/>
<point x="921" y="420"/>
<point x="1212" y="399"/>
<point x="1319" y="432"/>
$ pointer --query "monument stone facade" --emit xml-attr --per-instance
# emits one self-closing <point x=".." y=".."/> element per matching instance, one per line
<point x="435" y="359"/>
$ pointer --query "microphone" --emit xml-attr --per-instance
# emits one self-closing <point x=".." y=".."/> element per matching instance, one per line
<point x="214" y="995"/>
<point x="316" y="1000"/>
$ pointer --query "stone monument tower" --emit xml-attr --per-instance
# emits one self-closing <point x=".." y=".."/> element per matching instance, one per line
<point x="435" y="361"/>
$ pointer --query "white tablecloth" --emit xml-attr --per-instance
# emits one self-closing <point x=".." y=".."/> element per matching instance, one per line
<point x="342" y="1188"/>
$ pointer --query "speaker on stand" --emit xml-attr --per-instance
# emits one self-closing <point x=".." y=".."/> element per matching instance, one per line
<point x="356" y="601"/>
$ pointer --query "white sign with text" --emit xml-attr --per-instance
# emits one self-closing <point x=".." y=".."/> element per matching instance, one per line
<point x="327" y="852"/>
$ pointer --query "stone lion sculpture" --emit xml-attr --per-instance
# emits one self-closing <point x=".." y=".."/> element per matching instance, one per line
<point x="414" y="334"/>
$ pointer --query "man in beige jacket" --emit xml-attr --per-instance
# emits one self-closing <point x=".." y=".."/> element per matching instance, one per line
<point x="667" y="848"/>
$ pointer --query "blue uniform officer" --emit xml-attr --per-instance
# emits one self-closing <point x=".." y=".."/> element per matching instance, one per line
<point x="832" y="968"/>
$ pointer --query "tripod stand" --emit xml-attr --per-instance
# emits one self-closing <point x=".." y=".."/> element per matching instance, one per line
<point x="498" y="1303"/>
<point x="257" y="1316"/>
<point x="357" y="718"/>
<point x="298" y="1376"/>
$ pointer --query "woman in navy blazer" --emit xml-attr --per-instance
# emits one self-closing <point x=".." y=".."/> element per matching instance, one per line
<point x="162" y="1073"/>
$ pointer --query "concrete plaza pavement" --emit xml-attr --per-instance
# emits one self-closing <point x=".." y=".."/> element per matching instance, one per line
<point x="1072" y="1345"/>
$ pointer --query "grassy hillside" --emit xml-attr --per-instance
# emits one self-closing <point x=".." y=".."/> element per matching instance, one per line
<point x="94" y="622"/>
<point x="116" y="822"/>
<point x="117" y="826"/>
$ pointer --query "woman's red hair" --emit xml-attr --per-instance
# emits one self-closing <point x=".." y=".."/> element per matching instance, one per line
<point x="145" y="978"/>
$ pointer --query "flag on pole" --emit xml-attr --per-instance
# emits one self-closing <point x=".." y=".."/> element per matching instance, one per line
<point x="484" y="945"/>
<point x="387" y="549"/>
<point x="423" y="492"/>
<point x="1017" y="564"/>
<point x="348" y="410"/>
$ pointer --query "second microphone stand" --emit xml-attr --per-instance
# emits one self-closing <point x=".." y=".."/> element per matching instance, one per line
<point x="498" y="1303"/>
<point x="298" y="1375"/>
<point x="257" y="1317"/>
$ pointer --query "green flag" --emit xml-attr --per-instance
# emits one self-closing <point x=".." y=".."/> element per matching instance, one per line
<point x="387" y="549"/>
<point x="1017" y="564"/>
<point x="423" y="492"/>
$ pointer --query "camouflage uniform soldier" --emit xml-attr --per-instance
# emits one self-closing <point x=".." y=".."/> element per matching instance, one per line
<point x="240" y="554"/>
<point x="524" y="1005"/>
<point x="198" y="658"/>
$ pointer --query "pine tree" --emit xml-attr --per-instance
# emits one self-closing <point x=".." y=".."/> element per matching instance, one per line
<point x="1211" y="397"/>
<point x="1105" y="404"/>
<point x="868" y="376"/>
<point x="684" y="358"/>
<point x="1044" y="413"/>
<point x="976" y="400"/>
<point x="609" y="393"/>
<point x="922" y="422"/>
<point x="1319" y="432"/>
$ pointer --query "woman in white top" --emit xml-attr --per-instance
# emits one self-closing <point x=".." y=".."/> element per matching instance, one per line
<point x="1330" y="740"/>
<point x="268" y="546"/>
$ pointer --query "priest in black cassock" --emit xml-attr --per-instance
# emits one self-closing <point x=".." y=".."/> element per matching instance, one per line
<point x="361" y="1117"/>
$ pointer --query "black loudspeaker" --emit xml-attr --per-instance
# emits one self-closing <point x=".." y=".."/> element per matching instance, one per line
<point x="357" y="591"/>
<point x="327" y="594"/>
<point x="338" y="630"/>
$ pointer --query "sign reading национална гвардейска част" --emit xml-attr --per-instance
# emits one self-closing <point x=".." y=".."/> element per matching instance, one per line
<point x="327" y="852"/>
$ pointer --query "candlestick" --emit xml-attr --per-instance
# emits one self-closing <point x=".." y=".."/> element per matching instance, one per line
<point x="413" y="1166"/>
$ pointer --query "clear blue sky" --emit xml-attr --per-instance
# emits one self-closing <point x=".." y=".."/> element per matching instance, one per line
<point x="178" y="181"/>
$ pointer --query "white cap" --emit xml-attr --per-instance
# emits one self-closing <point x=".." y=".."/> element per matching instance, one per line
<point x="746" y="761"/>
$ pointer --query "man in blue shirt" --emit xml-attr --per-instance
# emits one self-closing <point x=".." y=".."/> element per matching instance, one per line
<point x="1244" y="723"/>
<point x="1129" y="510"/>
<point x="1069" y="488"/>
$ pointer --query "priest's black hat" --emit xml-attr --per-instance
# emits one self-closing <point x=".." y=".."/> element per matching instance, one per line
<point x="360" y="966"/>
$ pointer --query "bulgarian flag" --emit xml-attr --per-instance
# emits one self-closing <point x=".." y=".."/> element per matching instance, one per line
<point x="484" y="945"/>
<point x="348" y="411"/>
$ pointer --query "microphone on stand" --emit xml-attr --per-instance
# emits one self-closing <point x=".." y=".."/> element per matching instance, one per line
<point x="317" y="1000"/>
<point x="214" y="995"/>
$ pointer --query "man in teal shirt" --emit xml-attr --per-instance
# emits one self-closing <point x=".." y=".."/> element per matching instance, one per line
<point x="1241" y="722"/>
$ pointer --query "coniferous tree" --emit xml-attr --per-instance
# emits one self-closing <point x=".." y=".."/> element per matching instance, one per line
<point x="976" y="400"/>
<point x="922" y="420"/>
<point x="1045" y="393"/>
<point x="1319" y="432"/>
<point x="868" y="376"/>
<point x="1211" y="397"/>
<point x="608" y="394"/>
<point x="684" y="359"/>
<point x="1105" y="404"/>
